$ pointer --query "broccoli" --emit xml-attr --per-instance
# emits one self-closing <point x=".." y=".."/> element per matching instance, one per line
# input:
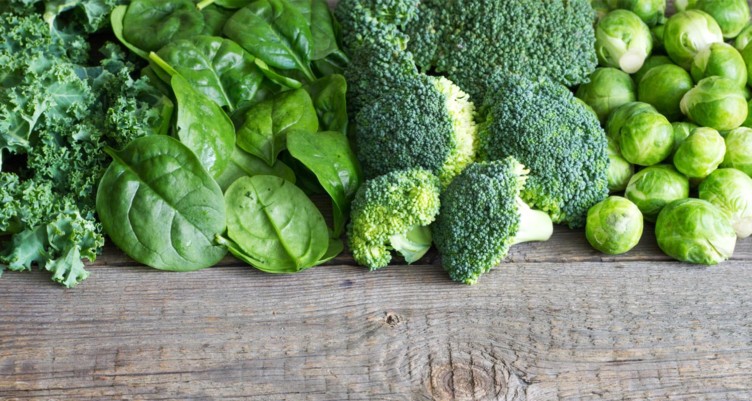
<point x="469" y="40"/>
<point x="377" y="67"/>
<point x="429" y="124"/>
<point x="482" y="215"/>
<point x="392" y="212"/>
<point x="548" y="130"/>
<point x="363" y="21"/>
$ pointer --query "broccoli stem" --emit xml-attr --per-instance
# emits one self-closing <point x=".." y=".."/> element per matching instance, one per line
<point x="534" y="224"/>
<point x="413" y="244"/>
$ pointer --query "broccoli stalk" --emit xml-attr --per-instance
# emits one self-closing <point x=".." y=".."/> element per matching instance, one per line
<point x="482" y="216"/>
<point x="535" y="225"/>
<point x="392" y="212"/>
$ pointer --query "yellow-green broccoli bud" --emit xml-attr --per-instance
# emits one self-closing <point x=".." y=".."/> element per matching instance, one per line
<point x="391" y="212"/>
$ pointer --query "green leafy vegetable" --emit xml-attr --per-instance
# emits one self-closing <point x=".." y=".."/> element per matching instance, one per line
<point x="329" y="157"/>
<point x="275" y="32"/>
<point x="158" y="204"/>
<point x="216" y="67"/>
<point x="116" y="20"/>
<point x="330" y="101"/>
<point x="203" y="127"/>
<point x="151" y="24"/>
<point x="274" y="226"/>
<point x="263" y="132"/>
<point x="243" y="164"/>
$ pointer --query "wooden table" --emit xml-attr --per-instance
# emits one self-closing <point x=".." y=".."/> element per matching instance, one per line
<point x="557" y="321"/>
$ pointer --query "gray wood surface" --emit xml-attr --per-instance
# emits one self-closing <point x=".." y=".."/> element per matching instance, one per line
<point x="556" y="321"/>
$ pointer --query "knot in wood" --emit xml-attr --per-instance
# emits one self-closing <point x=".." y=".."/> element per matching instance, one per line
<point x="459" y="382"/>
<point x="392" y="319"/>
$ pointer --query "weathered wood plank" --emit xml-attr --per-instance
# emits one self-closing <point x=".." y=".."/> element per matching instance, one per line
<point x="528" y="331"/>
<point x="566" y="246"/>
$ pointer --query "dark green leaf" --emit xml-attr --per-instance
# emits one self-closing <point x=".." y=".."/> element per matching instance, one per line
<point x="214" y="19"/>
<point x="243" y="164"/>
<point x="203" y="127"/>
<point x="266" y="124"/>
<point x="275" y="32"/>
<point x="330" y="101"/>
<point x="159" y="205"/>
<point x="116" y="20"/>
<point x="276" y="227"/>
<point x="329" y="157"/>
<point x="151" y="24"/>
<point x="216" y="67"/>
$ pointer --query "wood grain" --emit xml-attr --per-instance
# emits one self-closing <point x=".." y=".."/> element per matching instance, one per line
<point x="528" y="331"/>
<point x="638" y="327"/>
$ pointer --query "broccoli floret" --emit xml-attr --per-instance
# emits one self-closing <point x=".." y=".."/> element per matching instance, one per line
<point x="392" y="212"/>
<point x="469" y="39"/>
<point x="367" y="20"/>
<point x="377" y="67"/>
<point x="482" y="216"/>
<point x="548" y="130"/>
<point x="429" y="124"/>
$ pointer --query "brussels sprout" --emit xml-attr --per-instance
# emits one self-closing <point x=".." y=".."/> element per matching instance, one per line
<point x="657" y="33"/>
<point x="747" y="57"/>
<point x="722" y="60"/>
<point x="651" y="12"/>
<point x="652" y="188"/>
<point x="646" y="139"/>
<point x="682" y="5"/>
<point x="623" y="41"/>
<point x="700" y="154"/>
<point x="715" y="102"/>
<point x="652" y="61"/>
<point x="731" y="15"/>
<point x="731" y="190"/>
<point x="681" y="132"/>
<point x="739" y="150"/>
<point x="619" y="170"/>
<point x="744" y="37"/>
<point x="608" y="89"/>
<point x="663" y="87"/>
<point x="748" y="122"/>
<point x="601" y="8"/>
<point x="614" y="225"/>
<point x="695" y="231"/>
<point x="688" y="33"/>
<point x="621" y="114"/>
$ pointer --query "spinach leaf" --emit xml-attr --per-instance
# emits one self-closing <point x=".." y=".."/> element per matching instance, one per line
<point x="276" y="77"/>
<point x="275" y="32"/>
<point x="159" y="205"/>
<point x="243" y="164"/>
<point x="151" y="24"/>
<point x="336" y="247"/>
<point x="276" y="227"/>
<point x="329" y="156"/>
<point x="116" y="20"/>
<point x="335" y="63"/>
<point x="330" y="101"/>
<point x="322" y="30"/>
<point x="216" y="67"/>
<point x="203" y="127"/>
<point x="233" y="4"/>
<point x="265" y="124"/>
<point x="214" y="19"/>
